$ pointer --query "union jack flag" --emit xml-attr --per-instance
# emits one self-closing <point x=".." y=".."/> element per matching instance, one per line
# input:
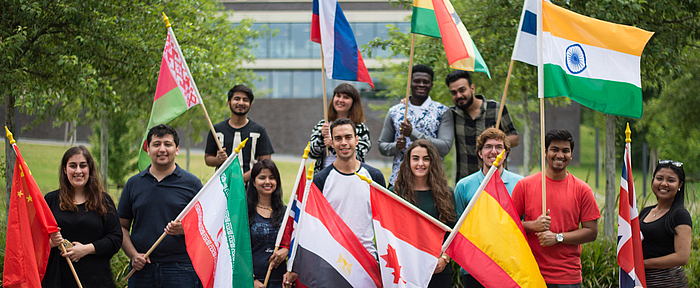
<point x="629" y="242"/>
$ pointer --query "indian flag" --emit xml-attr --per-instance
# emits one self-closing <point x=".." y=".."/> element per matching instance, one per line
<point x="217" y="235"/>
<point x="175" y="94"/>
<point x="593" y="62"/>
<point x="437" y="18"/>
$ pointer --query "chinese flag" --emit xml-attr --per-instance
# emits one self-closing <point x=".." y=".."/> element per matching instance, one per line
<point x="28" y="226"/>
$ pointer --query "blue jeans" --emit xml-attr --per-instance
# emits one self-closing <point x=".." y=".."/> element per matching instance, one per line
<point x="165" y="275"/>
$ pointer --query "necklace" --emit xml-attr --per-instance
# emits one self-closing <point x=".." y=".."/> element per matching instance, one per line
<point x="266" y="208"/>
<point x="657" y="211"/>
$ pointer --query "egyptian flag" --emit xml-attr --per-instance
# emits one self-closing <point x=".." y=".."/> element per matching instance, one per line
<point x="328" y="252"/>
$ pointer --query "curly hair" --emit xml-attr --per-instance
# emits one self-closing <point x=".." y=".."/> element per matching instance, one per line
<point x="275" y="200"/>
<point x="355" y="113"/>
<point x="442" y="194"/>
<point x="492" y="133"/>
<point x="94" y="191"/>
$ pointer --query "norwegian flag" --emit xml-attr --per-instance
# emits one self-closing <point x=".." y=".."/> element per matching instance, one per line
<point x="285" y="237"/>
<point x="629" y="242"/>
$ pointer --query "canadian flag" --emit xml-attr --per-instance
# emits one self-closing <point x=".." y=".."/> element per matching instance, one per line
<point x="408" y="244"/>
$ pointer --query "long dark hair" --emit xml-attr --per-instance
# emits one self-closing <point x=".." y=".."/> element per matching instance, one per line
<point x="94" y="190"/>
<point x="276" y="199"/>
<point x="442" y="194"/>
<point x="355" y="113"/>
<point x="679" y="200"/>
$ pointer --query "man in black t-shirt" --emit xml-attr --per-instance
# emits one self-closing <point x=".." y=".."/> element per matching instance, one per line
<point x="232" y="131"/>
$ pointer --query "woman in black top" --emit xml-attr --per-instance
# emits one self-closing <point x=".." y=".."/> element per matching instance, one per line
<point x="421" y="181"/>
<point x="86" y="217"/>
<point x="265" y="212"/>
<point x="667" y="228"/>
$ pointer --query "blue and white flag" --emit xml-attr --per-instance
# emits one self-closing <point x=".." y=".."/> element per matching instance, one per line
<point x="525" y="48"/>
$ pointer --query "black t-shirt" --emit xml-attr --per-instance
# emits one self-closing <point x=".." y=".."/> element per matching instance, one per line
<point x="258" y="144"/>
<point x="657" y="240"/>
<point x="262" y="243"/>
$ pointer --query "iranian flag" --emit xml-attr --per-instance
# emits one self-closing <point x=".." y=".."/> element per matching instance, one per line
<point x="175" y="94"/>
<point x="216" y="230"/>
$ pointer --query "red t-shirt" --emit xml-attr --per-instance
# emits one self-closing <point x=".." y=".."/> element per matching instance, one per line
<point x="571" y="202"/>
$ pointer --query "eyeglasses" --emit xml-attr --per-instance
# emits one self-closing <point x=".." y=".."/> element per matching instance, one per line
<point x="498" y="147"/>
<point x="674" y="163"/>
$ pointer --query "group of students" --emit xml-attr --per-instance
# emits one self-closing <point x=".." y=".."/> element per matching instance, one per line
<point x="152" y="198"/>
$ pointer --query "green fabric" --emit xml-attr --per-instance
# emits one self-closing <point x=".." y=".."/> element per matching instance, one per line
<point x="236" y="225"/>
<point x="609" y="97"/>
<point x="164" y="110"/>
<point x="423" y="22"/>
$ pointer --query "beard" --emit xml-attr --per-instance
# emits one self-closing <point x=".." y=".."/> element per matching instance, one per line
<point x="469" y="103"/>
<point x="239" y="113"/>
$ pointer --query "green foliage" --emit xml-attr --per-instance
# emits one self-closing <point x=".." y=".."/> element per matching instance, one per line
<point x="120" y="153"/>
<point x="599" y="263"/>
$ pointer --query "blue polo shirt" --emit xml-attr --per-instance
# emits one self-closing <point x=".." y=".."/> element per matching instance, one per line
<point x="151" y="205"/>
<point x="466" y="189"/>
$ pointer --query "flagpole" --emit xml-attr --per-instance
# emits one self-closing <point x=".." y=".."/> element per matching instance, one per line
<point x="70" y="264"/>
<point x="540" y="94"/>
<point x="192" y="202"/>
<point x="487" y="178"/>
<point x="325" y="99"/>
<point x="285" y="218"/>
<point x="405" y="203"/>
<point x="302" y="213"/>
<point x="170" y="30"/>
<point x="410" y="72"/>
<point x="505" y="92"/>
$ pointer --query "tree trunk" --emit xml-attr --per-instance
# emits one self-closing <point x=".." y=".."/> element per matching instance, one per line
<point x="526" y="132"/>
<point x="610" y="191"/>
<point x="9" y="152"/>
<point x="104" y="150"/>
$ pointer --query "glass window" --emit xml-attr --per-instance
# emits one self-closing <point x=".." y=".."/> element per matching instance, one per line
<point x="364" y="32"/>
<point x="301" y="40"/>
<point x="382" y="32"/>
<point x="281" y="82"/>
<point x="303" y="84"/>
<point x="262" y="85"/>
<point x="260" y="51"/>
<point x="318" y="84"/>
<point x="280" y="44"/>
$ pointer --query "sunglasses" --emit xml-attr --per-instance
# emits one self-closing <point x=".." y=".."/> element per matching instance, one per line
<point x="674" y="163"/>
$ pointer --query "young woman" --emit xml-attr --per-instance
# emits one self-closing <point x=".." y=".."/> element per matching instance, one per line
<point x="421" y="181"/>
<point x="265" y="212"/>
<point x="667" y="228"/>
<point x="346" y="103"/>
<point x="86" y="217"/>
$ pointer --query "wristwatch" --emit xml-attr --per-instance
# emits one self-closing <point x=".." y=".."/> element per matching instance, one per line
<point x="560" y="238"/>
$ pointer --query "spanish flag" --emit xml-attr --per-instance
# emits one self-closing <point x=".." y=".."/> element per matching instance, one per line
<point x="489" y="240"/>
<point x="593" y="62"/>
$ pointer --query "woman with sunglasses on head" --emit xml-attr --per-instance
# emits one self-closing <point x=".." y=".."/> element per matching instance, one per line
<point x="265" y="213"/>
<point x="421" y="181"/>
<point x="667" y="228"/>
<point x="86" y="217"/>
<point x="345" y="103"/>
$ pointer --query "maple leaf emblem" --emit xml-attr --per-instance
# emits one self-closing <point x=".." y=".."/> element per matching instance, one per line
<point x="392" y="261"/>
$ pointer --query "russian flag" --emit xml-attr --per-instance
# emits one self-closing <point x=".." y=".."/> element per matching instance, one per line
<point x="342" y="57"/>
<point x="328" y="253"/>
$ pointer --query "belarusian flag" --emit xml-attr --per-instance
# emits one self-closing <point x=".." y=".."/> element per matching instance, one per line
<point x="176" y="92"/>
<point x="593" y="62"/>
<point x="216" y="230"/>
<point x="437" y="18"/>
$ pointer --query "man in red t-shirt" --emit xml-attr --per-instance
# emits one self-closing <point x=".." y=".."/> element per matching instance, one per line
<point x="555" y="237"/>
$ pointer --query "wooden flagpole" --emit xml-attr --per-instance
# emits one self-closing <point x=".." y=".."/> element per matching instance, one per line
<point x="285" y="218"/>
<point x="540" y="94"/>
<point x="70" y="264"/>
<point x="503" y="98"/>
<point x="410" y="72"/>
<point x="325" y="99"/>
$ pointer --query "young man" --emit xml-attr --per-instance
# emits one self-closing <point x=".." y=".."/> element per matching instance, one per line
<point x="489" y="144"/>
<point x="149" y="202"/>
<point x="472" y="115"/>
<point x="555" y="236"/>
<point x="427" y="119"/>
<point x="232" y="131"/>
<point x="348" y="195"/>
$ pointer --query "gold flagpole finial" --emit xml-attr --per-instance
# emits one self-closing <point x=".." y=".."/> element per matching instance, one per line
<point x="364" y="178"/>
<point x="240" y="146"/>
<point x="628" y="133"/>
<point x="499" y="158"/>
<point x="310" y="172"/>
<point x="9" y="136"/>
<point x="166" y="20"/>
<point x="306" y="151"/>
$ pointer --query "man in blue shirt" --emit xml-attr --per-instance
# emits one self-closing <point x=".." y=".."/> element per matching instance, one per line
<point x="149" y="202"/>
<point x="489" y="144"/>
